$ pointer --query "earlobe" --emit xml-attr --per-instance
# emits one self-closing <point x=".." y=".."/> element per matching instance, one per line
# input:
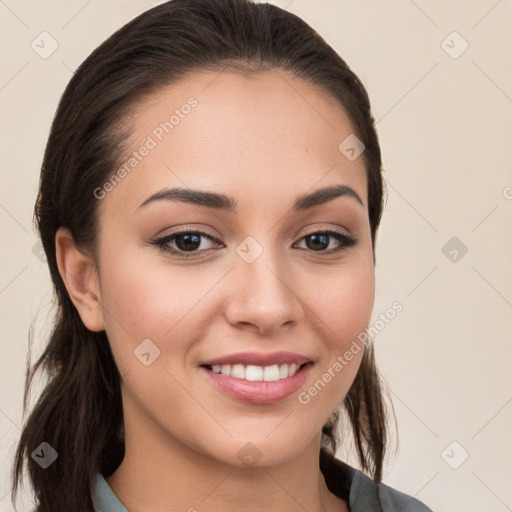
<point x="80" y="276"/>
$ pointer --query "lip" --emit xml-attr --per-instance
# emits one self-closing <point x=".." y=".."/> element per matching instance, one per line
<point x="258" y="392"/>
<point x="259" y="359"/>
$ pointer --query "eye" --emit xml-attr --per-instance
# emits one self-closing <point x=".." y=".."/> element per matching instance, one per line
<point x="319" y="241"/>
<point x="184" y="243"/>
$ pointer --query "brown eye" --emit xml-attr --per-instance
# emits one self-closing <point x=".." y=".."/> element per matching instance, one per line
<point x="320" y="241"/>
<point x="184" y="242"/>
<point x="187" y="242"/>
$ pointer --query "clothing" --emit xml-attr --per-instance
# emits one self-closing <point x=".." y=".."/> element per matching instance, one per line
<point x="360" y="492"/>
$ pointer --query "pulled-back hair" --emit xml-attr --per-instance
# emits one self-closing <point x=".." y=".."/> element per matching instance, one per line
<point x="79" y="412"/>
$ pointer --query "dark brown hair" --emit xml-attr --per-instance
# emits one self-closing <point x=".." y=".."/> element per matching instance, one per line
<point x="79" y="412"/>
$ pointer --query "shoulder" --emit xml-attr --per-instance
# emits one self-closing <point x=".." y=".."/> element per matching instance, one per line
<point x="104" y="499"/>
<point x="362" y="493"/>
<point x="365" y="494"/>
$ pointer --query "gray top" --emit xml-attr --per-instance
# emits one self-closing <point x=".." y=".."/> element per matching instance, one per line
<point x="364" y="496"/>
<point x="104" y="499"/>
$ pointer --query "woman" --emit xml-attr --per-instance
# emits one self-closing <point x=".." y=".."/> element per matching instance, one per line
<point x="209" y="202"/>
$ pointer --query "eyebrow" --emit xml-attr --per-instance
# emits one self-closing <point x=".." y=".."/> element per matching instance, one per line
<point x="223" y="202"/>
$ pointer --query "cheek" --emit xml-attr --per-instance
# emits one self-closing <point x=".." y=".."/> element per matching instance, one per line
<point x="149" y="299"/>
<point x="340" y="304"/>
<point x="344" y="303"/>
<point x="125" y="287"/>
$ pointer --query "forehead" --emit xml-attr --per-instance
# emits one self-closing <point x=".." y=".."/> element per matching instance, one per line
<point x="268" y="132"/>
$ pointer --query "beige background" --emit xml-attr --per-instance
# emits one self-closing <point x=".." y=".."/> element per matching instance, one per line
<point x="445" y="127"/>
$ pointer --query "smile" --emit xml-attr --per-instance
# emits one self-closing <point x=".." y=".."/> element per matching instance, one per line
<point x="257" y="384"/>
<point x="257" y="373"/>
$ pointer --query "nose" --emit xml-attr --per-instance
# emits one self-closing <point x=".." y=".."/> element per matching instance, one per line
<point x="262" y="296"/>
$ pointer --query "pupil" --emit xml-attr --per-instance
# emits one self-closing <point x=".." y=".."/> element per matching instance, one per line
<point x="323" y="239"/>
<point x="191" y="242"/>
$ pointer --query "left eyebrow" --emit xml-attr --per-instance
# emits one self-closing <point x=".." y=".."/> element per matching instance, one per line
<point x="223" y="202"/>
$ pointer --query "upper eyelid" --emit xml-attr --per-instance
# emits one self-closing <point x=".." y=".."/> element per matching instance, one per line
<point x="209" y="235"/>
<point x="342" y="231"/>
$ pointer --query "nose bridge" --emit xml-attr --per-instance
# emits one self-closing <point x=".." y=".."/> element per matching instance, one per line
<point x="263" y="293"/>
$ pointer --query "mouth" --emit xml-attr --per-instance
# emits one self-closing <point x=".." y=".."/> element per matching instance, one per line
<point x="257" y="384"/>
<point x="254" y="373"/>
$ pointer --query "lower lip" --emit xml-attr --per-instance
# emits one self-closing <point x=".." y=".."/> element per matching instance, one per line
<point x="258" y="392"/>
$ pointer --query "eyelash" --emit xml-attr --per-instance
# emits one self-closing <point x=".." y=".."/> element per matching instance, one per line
<point x="162" y="243"/>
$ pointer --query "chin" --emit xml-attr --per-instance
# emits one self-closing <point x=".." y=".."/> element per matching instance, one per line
<point x="260" y="452"/>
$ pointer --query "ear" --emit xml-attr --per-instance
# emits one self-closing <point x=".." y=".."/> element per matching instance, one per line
<point x="80" y="276"/>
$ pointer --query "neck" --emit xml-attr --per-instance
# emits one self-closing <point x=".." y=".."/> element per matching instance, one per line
<point x="160" y="474"/>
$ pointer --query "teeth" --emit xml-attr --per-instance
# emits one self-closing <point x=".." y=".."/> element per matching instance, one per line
<point x="254" y="373"/>
<point x="257" y="373"/>
<point x="271" y="373"/>
<point x="238" y="371"/>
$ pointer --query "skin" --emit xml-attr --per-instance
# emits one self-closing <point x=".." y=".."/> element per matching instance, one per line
<point x="263" y="139"/>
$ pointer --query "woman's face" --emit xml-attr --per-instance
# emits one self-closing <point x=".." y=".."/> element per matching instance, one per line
<point x="251" y="278"/>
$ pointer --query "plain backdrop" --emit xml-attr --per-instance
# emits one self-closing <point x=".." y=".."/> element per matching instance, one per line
<point x="439" y="77"/>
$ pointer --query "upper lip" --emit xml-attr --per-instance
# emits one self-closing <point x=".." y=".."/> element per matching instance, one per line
<point x="259" y="359"/>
